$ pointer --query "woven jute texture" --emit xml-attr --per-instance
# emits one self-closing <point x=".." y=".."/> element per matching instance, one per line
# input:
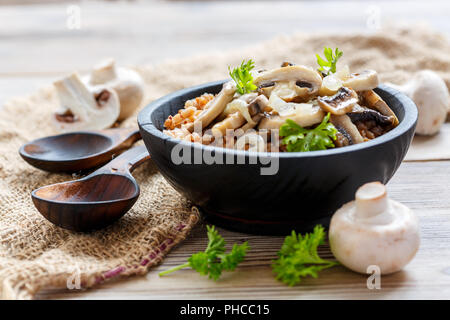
<point x="34" y="254"/>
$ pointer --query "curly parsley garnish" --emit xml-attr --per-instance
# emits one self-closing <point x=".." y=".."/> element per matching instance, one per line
<point x="243" y="78"/>
<point x="214" y="260"/>
<point x="298" y="257"/>
<point x="299" y="139"/>
<point x="329" y="66"/>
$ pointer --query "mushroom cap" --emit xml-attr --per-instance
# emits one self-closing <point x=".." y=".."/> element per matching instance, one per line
<point x="374" y="230"/>
<point x="365" y="80"/>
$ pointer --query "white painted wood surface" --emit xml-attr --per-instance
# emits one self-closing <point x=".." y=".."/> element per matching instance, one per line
<point x="36" y="47"/>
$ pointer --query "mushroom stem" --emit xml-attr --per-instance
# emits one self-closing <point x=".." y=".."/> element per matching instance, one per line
<point x="371" y="200"/>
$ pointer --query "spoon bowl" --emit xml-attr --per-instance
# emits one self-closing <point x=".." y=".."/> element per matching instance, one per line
<point x="95" y="201"/>
<point x="76" y="151"/>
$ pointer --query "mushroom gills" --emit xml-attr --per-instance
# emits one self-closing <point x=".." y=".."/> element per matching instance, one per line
<point x="82" y="109"/>
<point x="299" y="82"/>
<point x="304" y="114"/>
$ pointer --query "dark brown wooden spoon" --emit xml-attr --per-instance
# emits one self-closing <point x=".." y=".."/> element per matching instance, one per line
<point x="96" y="200"/>
<point x="77" y="151"/>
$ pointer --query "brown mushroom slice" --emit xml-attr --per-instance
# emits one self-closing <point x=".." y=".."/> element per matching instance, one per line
<point x="245" y="112"/>
<point x="348" y="130"/>
<point x="372" y="100"/>
<point x="214" y="107"/>
<point x="304" y="114"/>
<point x="233" y="121"/>
<point x="339" y="103"/>
<point x="362" y="81"/>
<point x="305" y="82"/>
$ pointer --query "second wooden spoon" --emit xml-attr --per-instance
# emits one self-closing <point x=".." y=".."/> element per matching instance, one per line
<point x="96" y="200"/>
<point x="77" y="151"/>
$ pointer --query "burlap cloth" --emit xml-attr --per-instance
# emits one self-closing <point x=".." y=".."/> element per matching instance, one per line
<point x="34" y="254"/>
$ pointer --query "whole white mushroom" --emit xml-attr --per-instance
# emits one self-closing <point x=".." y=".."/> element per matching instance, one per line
<point x="84" y="108"/>
<point x="430" y="94"/>
<point x="374" y="230"/>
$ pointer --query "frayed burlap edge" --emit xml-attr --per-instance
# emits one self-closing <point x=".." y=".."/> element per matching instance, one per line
<point x="17" y="286"/>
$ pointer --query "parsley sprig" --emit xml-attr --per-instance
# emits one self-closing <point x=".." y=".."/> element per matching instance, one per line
<point x="298" y="257"/>
<point x="242" y="77"/>
<point x="214" y="260"/>
<point x="329" y="66"/>
<point x="299" y="139"/>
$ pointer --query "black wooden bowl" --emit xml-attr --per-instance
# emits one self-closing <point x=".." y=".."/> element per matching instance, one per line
<point x="307" y="188"/>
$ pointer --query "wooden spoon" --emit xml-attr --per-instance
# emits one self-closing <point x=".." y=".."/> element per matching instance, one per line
<point x="96" y="200"/>
<point x="76" y="151"/>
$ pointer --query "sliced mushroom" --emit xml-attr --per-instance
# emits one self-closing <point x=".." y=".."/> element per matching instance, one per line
<point x="340" y="103"/>
<point x="430" y="94"/>
<point x="214" y="108"/>
<point x="233" y="121"/>
<point x="251" y="142"/>
<point x="126" y="82"/>
<point x="256" y="119"/>
<point x="82" y="109"/>
<point x="304" y="114"/>
<point x="366" y="80"/>
<point x="349" y="132"/>
<point x="299" y="83"/>
<point x="372" y="100"/>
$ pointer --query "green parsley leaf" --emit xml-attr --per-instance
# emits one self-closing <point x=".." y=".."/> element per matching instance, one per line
<point x="214" y="260"/>
<point x="299" y="139"/>
<point x="298" y="257"/>
<point x="242" y="77"/>
<point x="329" y="66"/>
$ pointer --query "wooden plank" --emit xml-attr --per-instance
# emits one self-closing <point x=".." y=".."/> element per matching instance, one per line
<point x="422" y="186"/>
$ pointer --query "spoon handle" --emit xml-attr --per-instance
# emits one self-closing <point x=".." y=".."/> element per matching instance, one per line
<point x="122" y="137"/>
<point x="126" y="162"/>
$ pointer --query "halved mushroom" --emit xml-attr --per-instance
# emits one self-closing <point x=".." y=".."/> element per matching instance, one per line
<point x="82" y="109"/>
<point x="126" y="82"/>
<point x="366" y="80"/>
<point x="348" y="132"/>
<point x="372" y="100"/>
<point x="295" y="83"/>
<point x="304" y="114"/>
<point x="214" y="107"/>
<point x="374" y="230"/>
<point x="340" y="103"/>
